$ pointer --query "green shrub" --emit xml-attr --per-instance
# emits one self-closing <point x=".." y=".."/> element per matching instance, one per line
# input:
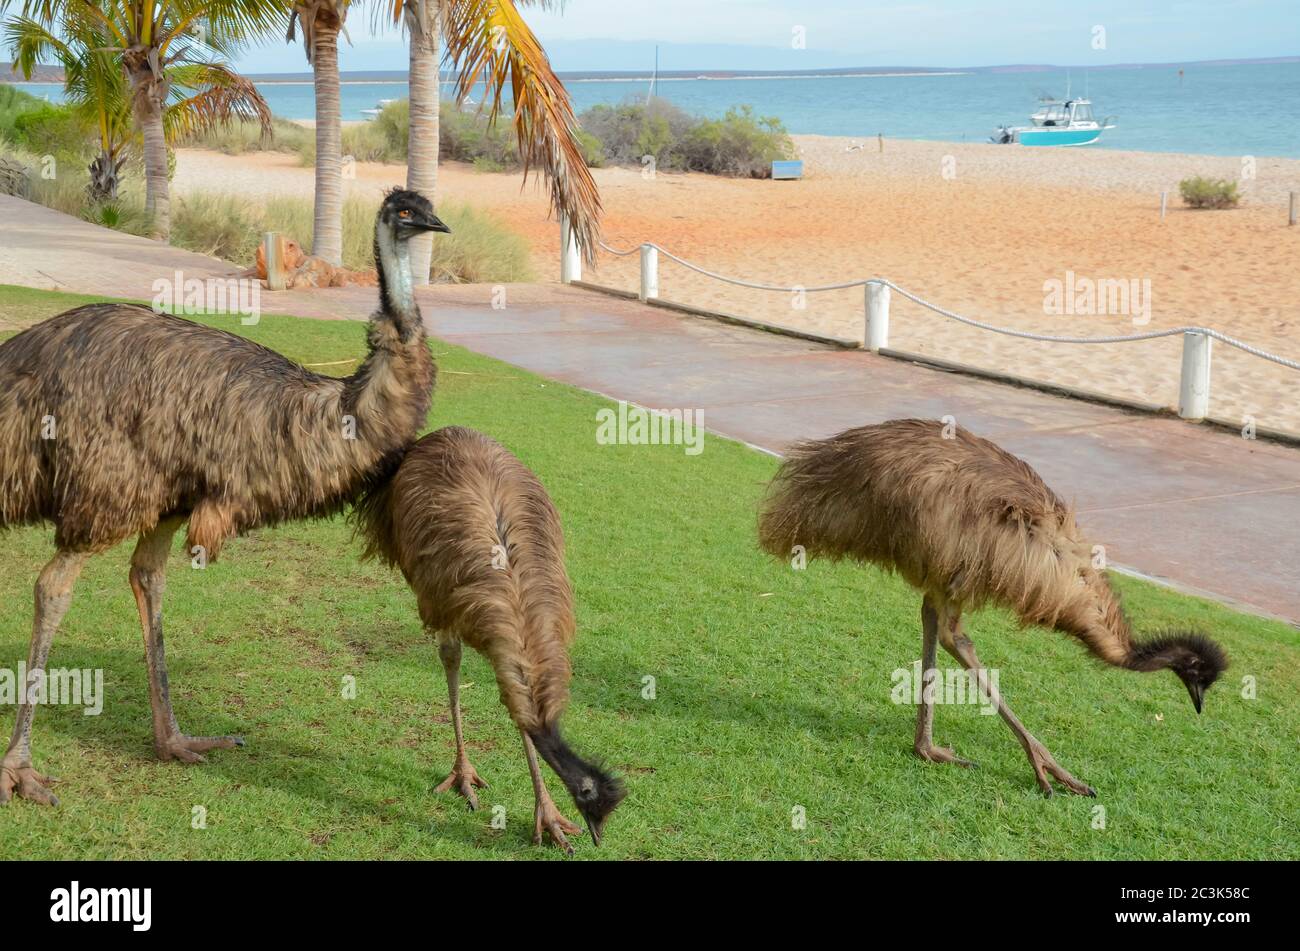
<point x="1201" y="192"/>
<point x="629" y="132"/>
<point x="13" y="103"/>
<point x="739" y="144"/>
<point x="55" y="130"/>
<point x="469" y="137"/>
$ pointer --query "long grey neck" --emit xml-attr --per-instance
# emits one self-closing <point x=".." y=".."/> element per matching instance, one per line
<point x="396" y="289"/>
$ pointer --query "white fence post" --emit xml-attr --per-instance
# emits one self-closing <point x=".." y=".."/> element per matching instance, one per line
<point x="649" y="272"/>
<point x="877" y="317"/>
<point x="570" y="253"/>
<point x="273" y="254"/>
<point x="1194" y="384"/>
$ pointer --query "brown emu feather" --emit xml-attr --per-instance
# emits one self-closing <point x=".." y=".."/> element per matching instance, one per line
<point x="479" y="542"/>
<point x="116" y="421"/>
<point x="967" y="523"/>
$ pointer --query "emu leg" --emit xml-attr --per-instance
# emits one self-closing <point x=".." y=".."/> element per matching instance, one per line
<point x="53" y="595"/>
<point x="924" y="745"/>
<point x="962" y="648"/>
<point x="545" y="815"/>
<point x="463" y="777"/>
<point x="148" y="580"/>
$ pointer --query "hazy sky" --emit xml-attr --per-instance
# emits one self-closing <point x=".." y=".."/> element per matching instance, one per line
<point x="762" y="34"/>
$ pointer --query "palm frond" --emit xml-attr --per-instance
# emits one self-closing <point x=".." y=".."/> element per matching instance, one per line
<point x="221" y="96"/>
<point x="488" y="42"/>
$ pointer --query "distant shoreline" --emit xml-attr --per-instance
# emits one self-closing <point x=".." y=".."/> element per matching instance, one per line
<point x="384" y="77"/>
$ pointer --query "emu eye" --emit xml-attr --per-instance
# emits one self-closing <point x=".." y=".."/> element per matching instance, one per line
<point x="403" y="213"/>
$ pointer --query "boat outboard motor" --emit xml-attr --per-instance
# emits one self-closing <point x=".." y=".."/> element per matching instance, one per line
<point x="1002" y="136"/>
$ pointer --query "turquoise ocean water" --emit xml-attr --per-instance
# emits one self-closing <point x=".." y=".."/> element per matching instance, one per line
<point x="1251" y="109"/>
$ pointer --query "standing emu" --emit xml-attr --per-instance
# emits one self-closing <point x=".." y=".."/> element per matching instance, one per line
<point x="967" y="523"/>
<point x="116" y="421"/>
<point x="479" y="542"/>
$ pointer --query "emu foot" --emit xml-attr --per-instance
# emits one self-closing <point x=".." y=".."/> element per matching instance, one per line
<point x="26" y="783"/>
<point x="546" y="816"/>
<point x="187" y="749"/>
<point x="1043" y="764"/>
<point x="942" y="754"/>
<point x="463" y="779"/>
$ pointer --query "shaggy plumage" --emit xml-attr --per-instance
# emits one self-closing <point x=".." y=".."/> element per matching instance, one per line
<point x="116" y="421"/>
<point x="479" y="542"/>
<point x="967" y="523"/>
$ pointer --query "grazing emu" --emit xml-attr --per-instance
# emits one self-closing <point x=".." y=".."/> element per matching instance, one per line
<point x="116" y="421"/>
<point x="967" y="523"/>
<point x="479" y="542"/>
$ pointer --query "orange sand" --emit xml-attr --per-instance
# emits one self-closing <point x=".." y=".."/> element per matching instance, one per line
<point x="981" y="240"/>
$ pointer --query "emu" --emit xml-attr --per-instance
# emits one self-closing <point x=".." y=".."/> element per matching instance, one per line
<point x="116" y="421"/>
<point x="479" y="542"/>
<point x="966" y="523"/>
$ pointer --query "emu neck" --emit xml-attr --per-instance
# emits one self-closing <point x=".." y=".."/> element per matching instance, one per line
<point x="396" y="289"/>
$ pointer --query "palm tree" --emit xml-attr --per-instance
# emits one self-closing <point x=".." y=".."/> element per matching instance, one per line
<point x="147" y="38"/>
<point x="321" y="22"/>
<point x="487" y="42"/>
<point x="201" y="94"/>
<point x="421" y="20"/>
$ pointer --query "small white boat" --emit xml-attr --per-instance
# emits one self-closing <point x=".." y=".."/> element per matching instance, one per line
<point x="374" y="113"/>
<point x="1057" y="122"/>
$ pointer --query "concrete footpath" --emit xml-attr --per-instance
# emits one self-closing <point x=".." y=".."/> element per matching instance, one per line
<point x="1205" y="510"/>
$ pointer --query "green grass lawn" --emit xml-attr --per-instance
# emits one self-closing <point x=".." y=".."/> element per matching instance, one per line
<point x="772" y="687"/>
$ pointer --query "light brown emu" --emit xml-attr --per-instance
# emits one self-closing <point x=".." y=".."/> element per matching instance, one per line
<point x="967" y="523"/>
<point x="480" y="544"/>
<point x="118" y="422"/>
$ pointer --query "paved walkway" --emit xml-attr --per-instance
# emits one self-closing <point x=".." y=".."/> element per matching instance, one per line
<point x="1203" y="509"/>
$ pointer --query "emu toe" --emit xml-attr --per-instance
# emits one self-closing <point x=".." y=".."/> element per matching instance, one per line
<point x="26" y="783"/>
<point x="189" y="749"/>
<point x="1044" y="765"/>
<point x="547" y="817"/>
<point x="943" y="754"/>
<point x="463" y="779"/>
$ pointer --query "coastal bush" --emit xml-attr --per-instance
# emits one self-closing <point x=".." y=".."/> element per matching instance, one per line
<point x="739" y="144"/>
<point x="236" y="138"/>
<point x="632" y="130"/>
<point x="227" y="226"/>
<point x="469" y="137"/>
<point x="1202" y="192"/>
<point x="54" y="130"/>
<point x="13" y="103"/>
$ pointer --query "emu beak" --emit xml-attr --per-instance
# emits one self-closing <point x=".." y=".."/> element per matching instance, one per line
<point x="432" y="223"/>
<point x="594" y="829"/>
<point x="1198" y="695"/>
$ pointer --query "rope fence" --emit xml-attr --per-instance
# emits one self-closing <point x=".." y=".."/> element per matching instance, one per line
<point x="1194" y="381"/>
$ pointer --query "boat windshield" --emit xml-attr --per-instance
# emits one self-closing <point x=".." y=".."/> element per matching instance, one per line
<point x="1082" y="112"/>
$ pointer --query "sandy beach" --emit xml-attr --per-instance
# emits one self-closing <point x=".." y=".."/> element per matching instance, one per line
<point x="979" y="229"/>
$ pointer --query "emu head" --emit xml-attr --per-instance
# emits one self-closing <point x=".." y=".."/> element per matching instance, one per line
<point x="405" y="213"/>
<point x="596" y="793"/>
<point x="1197" y="660"/>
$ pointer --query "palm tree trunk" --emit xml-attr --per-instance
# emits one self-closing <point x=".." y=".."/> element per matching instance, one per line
<point x="422" y="151"/>
<point x="147" y="102"/>
<point x="327" y="233"/>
